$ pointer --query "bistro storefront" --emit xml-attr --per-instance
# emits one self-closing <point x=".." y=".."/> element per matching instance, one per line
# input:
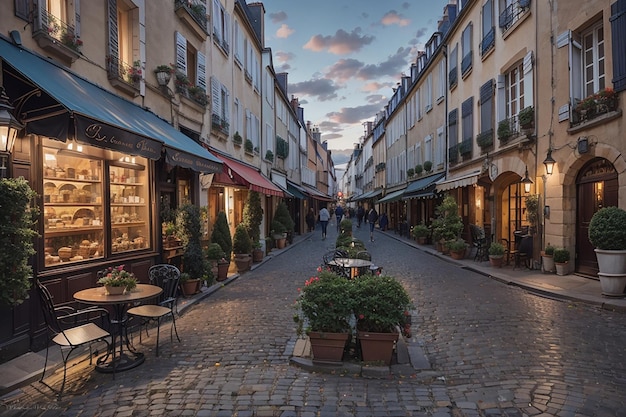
<point x="99" y="164"/>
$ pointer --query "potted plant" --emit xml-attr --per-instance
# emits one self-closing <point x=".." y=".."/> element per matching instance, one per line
<point x="448" y="223"/>
<point x="325" y="308"/>
<point x="547" y="258"/>
<point x="561" y="259"/>
<point x="189" y="224"/>
<point x="410" y="172"/>
<point x="217" y="258"/>
<point x="163" y="74"/>
<point x="532" y="212"/>
<point x="116" y="280"/>
<point x="420" y="233"/>
<point x="457" y="248"/>
<point x="527" y="117"/>
<point x="237" y="139"/>
<point x="504" y="130"/>
<point x="188" y="286"/>
<point x="248" y="146"/>
<point x="279" y="234"/>
<point x="283" y="216"/>
<point x="607" y="233"/>
<point x="242" y="246"/>
<point x="419" y="168"/>
<point x="18" y="218"/>
<point x="428" y="166"/>
<point x="221" y="235"/>
<point x="345" y="227"/>
<point x="252" y="218"/>
<point x="269" y="156"/>
<point x="496" y="254"/>
<point x="380" y="305"/>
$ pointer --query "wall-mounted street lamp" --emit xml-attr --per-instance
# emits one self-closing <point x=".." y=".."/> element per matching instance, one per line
<point x="549" y="162"/>
<point x="9" y="127"/>
<point x="526" y="181"/>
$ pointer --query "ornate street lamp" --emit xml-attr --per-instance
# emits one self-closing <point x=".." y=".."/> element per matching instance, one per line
<point x="549" y="162"/>
<point x="9" y="126"/>
<point x="526" y="181"/>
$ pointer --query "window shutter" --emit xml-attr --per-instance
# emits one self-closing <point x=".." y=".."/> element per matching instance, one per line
<point x="500" y="98"/>
<point x="486" y="106"/>
<point x="226" y="104"/>
<point x="77" y="18"/>
<point x="22" y="9"/>
<point x="248" y="124"/>
<point x="201" y="70"/>
<point x="563" y="39"/>
<point x="43" y="14"/>
<point x="227" y="31"/>
<point x="216" y="18"/>
<point x="215" y="96"/>
<point x="576" y="71"/>
<point x="114" y="56"/>
<point x="618" y="39"/>
<point x="528" y="79"/>
<point x="181" y="53"/>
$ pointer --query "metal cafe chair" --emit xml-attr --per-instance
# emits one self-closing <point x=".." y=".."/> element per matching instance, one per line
<point x="479" y="241"/>
<point x="167" y="277"/>
<point x="71" y="329"/>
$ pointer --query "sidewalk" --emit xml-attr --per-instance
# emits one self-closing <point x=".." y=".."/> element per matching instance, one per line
<point x="28" y="368"/>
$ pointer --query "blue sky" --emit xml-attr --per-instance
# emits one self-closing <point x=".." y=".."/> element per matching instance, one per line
<point x="344" y="57"/>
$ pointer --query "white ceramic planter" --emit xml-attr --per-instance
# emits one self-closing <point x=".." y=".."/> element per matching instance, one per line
<point x="562" y="268"/>
<point x="613" y="285"/>
<point x="611" y="261"/>
<point x="548" y="264"/>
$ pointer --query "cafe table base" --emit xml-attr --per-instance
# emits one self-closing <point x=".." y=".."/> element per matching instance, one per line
<point x="122" y="362"/>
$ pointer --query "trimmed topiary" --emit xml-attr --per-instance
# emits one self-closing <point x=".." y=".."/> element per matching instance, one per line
<point x="607" y="229"/>
<point x="221" y="234"/>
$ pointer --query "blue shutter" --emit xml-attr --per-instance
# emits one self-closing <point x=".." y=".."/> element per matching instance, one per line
<point x="618" y="39"/>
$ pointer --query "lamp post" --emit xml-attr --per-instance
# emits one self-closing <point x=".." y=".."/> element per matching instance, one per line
<point x="526" y="181"/>
<point x="549" y="162"/>
<point x="9" y="126"/>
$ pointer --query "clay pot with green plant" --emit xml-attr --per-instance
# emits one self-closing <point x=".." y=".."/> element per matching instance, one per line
<point x="547" y="258"/>
<point x="496" y="254"/>
<point x="252" y="217"/>
<point x="242" y="247"/>
<point x="428" y="166"/>
<point x="448" y="223"/>
<point x="221" y="235"/>
<point x="188" y="221"/>
<point x="457" y="248"/>
<point x="561" y="260"/>
<point x="282" y="215"/>
<point x="420" y="233"/>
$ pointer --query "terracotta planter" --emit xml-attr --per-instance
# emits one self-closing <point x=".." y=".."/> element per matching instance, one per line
<point x="457" y="254"/>
<point x="243" y="262"/>
<point x="257" y="255"/>
<point x="496" y="260"/>
<point x="222" y="270"/>
<point x="328" y="347"/>
<point x="280" y="243"/>
<point x="421" y="240"/>
<point x="377" y="347"/>
<point x="190" y="287"/>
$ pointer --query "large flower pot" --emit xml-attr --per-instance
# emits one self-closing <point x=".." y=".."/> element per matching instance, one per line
<point x="243" y="262"/>
<point x="280" y="242"/>
<point x="377" y="347"/>
<point x="496" y="260"/>
<point x="457" y="254"/>
<point x="328" y="347"/>
<point x="222" y="270"/>
<point x="257" y="255"/>
<point x="548" y="263"/>
<point x="562" y="268"/>
<point x="190" y="287"/>
<point x="613" y="285"/>
<point x="611" y="261"/>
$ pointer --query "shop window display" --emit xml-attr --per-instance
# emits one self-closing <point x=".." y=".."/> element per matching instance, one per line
<point x="76" y="212"/>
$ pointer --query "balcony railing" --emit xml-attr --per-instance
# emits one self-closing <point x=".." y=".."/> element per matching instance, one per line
<point x="197" y="11"/>
<point x="488" y="42"/>
<point x="512" y="13"/>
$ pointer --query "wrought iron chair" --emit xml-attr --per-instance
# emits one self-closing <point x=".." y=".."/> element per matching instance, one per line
<point x="71" y="329"/>
<point x="479" y="241"/>
<point x="167" y="277"/>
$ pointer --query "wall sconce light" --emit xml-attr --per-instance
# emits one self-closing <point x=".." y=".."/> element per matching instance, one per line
<point x="9" y="126"/>
<point x="583" y="144"/>
<point x="526" y="181"/>
<point x="549" y="162"/>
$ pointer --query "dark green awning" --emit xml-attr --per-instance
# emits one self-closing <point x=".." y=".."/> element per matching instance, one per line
<point x="70" y="105"/>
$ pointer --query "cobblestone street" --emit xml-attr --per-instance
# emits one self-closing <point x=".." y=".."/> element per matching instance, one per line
<point x="495" y="350"/>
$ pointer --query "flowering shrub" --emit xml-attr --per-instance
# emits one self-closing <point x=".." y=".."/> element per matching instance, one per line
<point x="325" y="303"/>
<point x="117" y="276"/>
<point x="134" y="72"/>
<point x="380" y="304"/>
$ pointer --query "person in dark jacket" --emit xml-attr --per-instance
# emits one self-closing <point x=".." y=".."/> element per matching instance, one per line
<point x="372" y="218"/>
<point x="360" y="212"/>
<point x="310" y="219"/>
<point x="383" y="222"/>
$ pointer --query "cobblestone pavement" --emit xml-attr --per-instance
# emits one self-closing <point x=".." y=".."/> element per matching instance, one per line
<point x="495" y="350"/>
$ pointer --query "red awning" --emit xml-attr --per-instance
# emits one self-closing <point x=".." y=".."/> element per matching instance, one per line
<point x="236" y="172"/>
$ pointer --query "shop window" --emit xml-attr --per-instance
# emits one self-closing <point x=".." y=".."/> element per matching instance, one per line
<point x="88" y="198"/>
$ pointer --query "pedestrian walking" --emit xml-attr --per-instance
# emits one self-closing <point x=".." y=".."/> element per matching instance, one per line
<point x="338" y="215"/>
<point x="310" y="220"/>
<point x="372" y="218"/>
<point x="383" y="222"/>
<point x="324" y="217"/>
<point x="360" y="212"/>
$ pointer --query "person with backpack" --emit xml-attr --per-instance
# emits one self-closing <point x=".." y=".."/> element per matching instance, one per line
<point x="338" y="215"/>
<point x="372" y="218"/>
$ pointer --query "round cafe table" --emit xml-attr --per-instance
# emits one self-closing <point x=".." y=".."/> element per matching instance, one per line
<point x="118" y="358"/>
<point x="352" y="267"/>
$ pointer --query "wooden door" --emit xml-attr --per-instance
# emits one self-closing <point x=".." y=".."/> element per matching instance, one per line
<point x="597" y="187"/>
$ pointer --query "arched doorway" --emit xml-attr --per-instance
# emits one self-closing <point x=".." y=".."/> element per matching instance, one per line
<point x="596" y="187"/>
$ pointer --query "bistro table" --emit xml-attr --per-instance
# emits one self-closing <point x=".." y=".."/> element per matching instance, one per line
<point x="122" y="360"/>
<point x="351" y="266"/>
